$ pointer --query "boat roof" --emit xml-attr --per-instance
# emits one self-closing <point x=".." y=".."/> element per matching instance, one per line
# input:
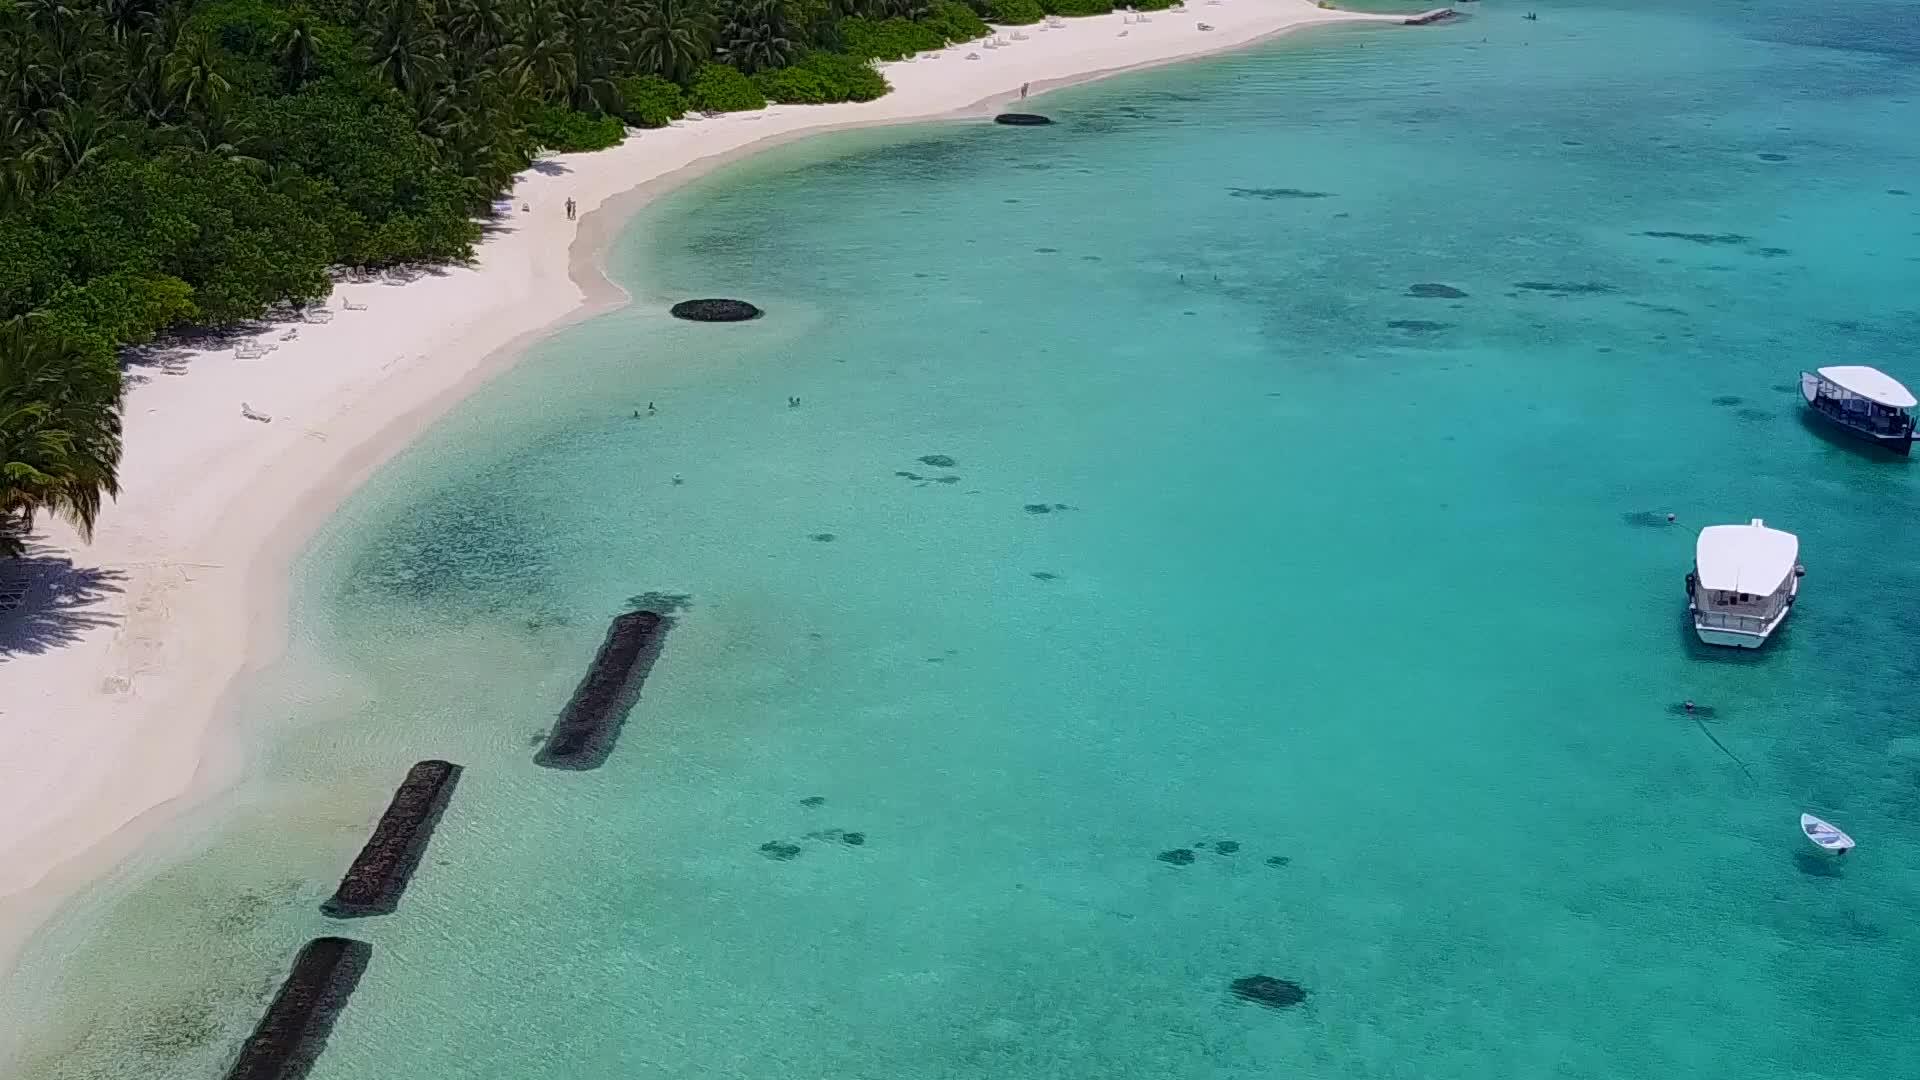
<point x="1872" y="384"/>
<point x="1745" y="558"/>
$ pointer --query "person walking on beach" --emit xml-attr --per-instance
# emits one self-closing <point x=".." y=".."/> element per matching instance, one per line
<point x="569" y="208"/>
<point x="1023" y="90"/>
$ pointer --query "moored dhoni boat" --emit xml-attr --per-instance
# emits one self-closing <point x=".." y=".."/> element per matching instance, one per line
<point x="1743" y="583"/>
<point x="1868" y="403"/>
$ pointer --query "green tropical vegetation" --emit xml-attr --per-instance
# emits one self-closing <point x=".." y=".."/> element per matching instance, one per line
<point x="180" y="163"/>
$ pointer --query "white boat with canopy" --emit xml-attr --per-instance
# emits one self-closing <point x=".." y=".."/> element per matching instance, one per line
<point x="1867" y="402"/>
<point x="1743" y="584"/>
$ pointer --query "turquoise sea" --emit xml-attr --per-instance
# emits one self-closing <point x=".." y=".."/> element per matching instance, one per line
<point x="1240" y="544"/>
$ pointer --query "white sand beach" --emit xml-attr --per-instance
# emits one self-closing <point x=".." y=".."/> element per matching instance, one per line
<point x="112" y="674"/>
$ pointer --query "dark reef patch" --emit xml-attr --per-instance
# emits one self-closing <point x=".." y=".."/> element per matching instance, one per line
<point x="1755" y="415"/>
<point x="1045" y="575"/>
<point x="853" y="839"/>
<point x="1038" y="508"/>
<point x="1277" y="193"/>
<point x="1419" y="326"/>
<point x="1434" y="290"/>
<point x="1177" y="856"/>
<point x="715" y="310"/>
<point x="938" y="461"/>
<point x="1268" y="991"/>
<point x="1729" y="400"/>
<point x="1047" y="250"/>
<point x="666" y="603"/>
<point x="1278" y="861"/>
<point x="1772" y="252"/>
<point x="780" y="850"/>
<point x="1658" y="309"/>
<point x="1566" y="288"/>
<point x="1723" y="239"/>
<point x="1227" y="847"/>
<point x="813" y="801"/>
<point x="824" y="538"/>
<point x="1898" y="191"/>
<point x="1021" y="119"/>
<point x="1645" y="519"/>
<point x="1771" y="157"/>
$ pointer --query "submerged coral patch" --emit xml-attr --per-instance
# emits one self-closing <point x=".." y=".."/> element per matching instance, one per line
<point x="1566" y="288"/>
<point x="1726" y="400"/>
<point x="1434" y="290"/>
<point x="1419" y="326"/>
<point x="1277" y="193"/>
<point x="780" y="850"/>
<point x="1706" y="239"/>
<point x="938" y="461"/>
<point x="1645" y="519"/>
<point x="1177" y="856"/>
<point x="1268" y="991"/>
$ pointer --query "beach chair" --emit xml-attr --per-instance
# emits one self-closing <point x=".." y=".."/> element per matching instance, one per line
<point x="247" y="411"/>
<point x="351" y="306"/>
<point x="319" y="315"/>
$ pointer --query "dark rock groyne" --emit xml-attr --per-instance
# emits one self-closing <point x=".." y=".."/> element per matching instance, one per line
<point x="373" y="884"/>
<point x="590" y="724"/>
<point x="1022" y="119"/>
<point x="293" y="1031"/>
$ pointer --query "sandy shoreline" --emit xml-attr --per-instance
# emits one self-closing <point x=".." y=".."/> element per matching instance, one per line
<point x="116" y="680"/>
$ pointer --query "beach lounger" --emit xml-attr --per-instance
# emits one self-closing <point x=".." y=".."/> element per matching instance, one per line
<point x="319" y="315"/>
<point x="351" y="306"/>
<point x="247" y="411"/>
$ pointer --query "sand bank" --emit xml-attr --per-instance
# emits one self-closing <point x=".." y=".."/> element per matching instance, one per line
<point x="112" y="678"/>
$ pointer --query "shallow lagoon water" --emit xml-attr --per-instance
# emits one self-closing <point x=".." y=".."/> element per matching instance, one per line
<point x="1244" y="541"/>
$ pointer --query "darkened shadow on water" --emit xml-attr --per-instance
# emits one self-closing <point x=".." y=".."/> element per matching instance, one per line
<point x="1814" y="864"/>
<point x="1827" y="433"/>
<point x="59" y="605"/>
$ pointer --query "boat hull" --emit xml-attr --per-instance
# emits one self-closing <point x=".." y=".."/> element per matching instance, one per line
<point x="1901" y="444"/>
<point x="1732" y="638"/>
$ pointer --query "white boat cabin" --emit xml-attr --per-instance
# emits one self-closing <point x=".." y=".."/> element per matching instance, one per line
<point x="1744" y="581"/>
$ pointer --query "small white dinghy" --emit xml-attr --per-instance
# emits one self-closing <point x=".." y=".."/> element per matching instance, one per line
<point x="1825" y="834"/>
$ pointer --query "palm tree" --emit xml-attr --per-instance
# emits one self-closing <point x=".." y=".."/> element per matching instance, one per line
<point x="406" y="48"/>
<point x="22" y="159"/>
<point x="193" y="74"/>
<point x="75" y="137"/>
<point x="298" y="50"/>
<point x="59" y="429"/>
<point x="674" y="39"/>
<point x="128" y="19"/>
<point x="543" y="59"/>
<point x="476" y="27"/>
<point x="754" y="36"/>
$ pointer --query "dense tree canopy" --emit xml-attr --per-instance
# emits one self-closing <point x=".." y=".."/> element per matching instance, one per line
<point x="196" y="162"/>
